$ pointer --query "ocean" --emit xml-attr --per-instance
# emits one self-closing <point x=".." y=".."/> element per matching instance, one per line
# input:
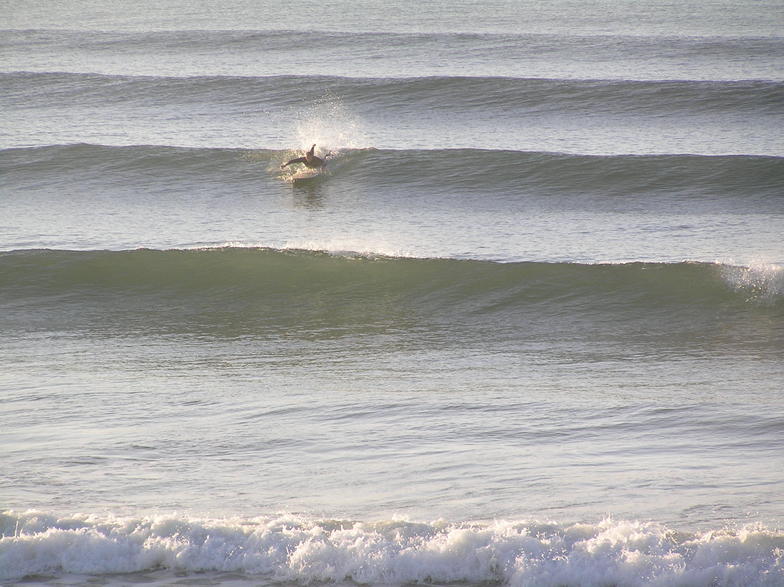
<point x="526" y="328"/>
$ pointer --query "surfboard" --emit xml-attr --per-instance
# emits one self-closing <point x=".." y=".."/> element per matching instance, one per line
<point x="306" y="175"/>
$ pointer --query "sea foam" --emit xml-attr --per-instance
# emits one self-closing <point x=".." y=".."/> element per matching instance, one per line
<point x="760" y="282"/>
<point x="304" y="550"/>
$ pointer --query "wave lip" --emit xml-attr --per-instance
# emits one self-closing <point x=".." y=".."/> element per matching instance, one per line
<point x="304" y="550"/>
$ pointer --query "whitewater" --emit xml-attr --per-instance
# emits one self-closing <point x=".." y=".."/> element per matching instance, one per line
<point x="525" y="329"/>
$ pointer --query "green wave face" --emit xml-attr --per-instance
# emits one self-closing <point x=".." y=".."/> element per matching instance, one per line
<point x="266" y="292"/>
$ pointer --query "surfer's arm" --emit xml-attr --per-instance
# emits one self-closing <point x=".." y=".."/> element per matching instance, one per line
<point x="297" y="160"/>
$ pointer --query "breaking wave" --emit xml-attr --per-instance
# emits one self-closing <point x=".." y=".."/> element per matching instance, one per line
<point x="234" y="291"/>
<point x="303" y="550"/>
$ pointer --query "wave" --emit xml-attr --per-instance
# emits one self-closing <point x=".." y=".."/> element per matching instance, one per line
<point x="741" y="180"/>
<point x="283" y="39"/>
<point x="79" y="158"/>
<point x="272" y="52"/>
<point x="502" y="94"/>
<point x="301" y="550"/>
<point x="260" y="292"/>
<point x="266" y="270"/>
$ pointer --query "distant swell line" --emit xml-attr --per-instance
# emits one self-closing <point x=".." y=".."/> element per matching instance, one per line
<point x="754" y="98"/>
<point x="293" y="38"/>
<point x="349" y="51"/>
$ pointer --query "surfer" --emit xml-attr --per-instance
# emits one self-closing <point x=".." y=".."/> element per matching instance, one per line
<point x="310" y="160"/>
